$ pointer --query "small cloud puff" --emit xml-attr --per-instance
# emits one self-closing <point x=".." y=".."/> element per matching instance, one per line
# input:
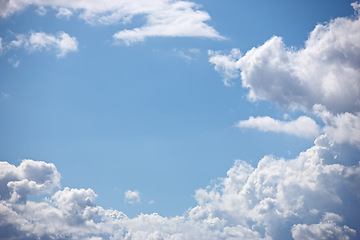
<point x="132" y="197"/>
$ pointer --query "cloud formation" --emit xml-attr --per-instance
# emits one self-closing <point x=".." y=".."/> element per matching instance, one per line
<point x="314" y="196"/>
<point x="132" y="197"/>
<point x="163" y="18"/>
<point x="326" y="71"/>
<point x="62" y="43"/>
<point x="302" y="127"/>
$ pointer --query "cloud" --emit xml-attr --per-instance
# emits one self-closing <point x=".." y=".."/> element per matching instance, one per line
<point x="326" y="229"/>
<point x="163" y="18"/>
<point x="342" y="127"/>
<point x="29" y="178"/>
<point x="41" y="11"/>
<point x="4" y="95"/>
<point x="313" y="196"/>
<point x="1" y="46"/>
<point x="132" y="197"/>
<point x="326" y="71"/>
<point x="188" y="54"/>
<point x="302" y="127"/>
<point x="64" y="13"/>
<point x="62" y="43"/>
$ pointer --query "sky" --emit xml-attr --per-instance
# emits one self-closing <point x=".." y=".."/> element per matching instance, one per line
<point x="166" y="119"/>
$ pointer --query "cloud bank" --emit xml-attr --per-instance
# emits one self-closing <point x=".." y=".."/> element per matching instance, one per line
<point x="163" y="18"/>
<point x="314" y="196"/>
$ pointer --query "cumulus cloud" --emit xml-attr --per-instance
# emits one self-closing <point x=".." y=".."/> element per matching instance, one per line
<point x="302" y="127"/>
<point x="309" y="197"/>
<point x="326" y="71"/>
<point x="163" y="18"/>
<point x="132" y="197"/>
<point x="326" y="229"/>
<point x="29" y="178"/>
<point x="342" y="127"/>
<point x="62" y="43"/>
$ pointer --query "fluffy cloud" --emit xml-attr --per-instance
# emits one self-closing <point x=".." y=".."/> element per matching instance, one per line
<point x="38" y="41"/>
<point x="326" y="71"/>
<point x="340" y="128"/>
<point x="30" y="177"/>
<point x="313" y="196"/>
<point x="326" y="229"/>
<point x="302" y="127"/>
<point x="164" y="18"/>
<point x="132" y="197"/>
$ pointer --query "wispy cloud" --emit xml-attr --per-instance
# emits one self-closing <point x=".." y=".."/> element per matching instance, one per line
<point x="62" y="43"/>
<point x="164" y="18"/>
<point x="302" y="127"/>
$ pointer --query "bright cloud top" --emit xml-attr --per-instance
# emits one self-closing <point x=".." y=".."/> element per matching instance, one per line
<point x="62" y="43"/>
<point x="313" y="196"/>
<point x="302" y="127"/>
<point x="132" y="197"/>
<point x="340" y="128"/>
<point x="326" y="71"/>
<point x="164" y="18"/>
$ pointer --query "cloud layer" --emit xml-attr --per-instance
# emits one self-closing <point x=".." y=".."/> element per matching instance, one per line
<point x="314" y="196"/>
<point x="163" y="18"/>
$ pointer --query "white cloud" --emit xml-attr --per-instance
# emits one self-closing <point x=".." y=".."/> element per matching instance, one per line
<point x="226" y="64"/>
<point x="313" y="196"/>
<point x="29" y="178"/>
<point x="64" y="13"/>
<point x="132" y="197"/>
<point x="340" y="128"/>
<point x="326" y="229"/>
<point x="163" y="18"/>
<point x="15" y="63"/>
<point x="41" y="11"/>
<point x="62" y="43"/>
<point x="326" y="71"/>
<point x="302" y="127"/>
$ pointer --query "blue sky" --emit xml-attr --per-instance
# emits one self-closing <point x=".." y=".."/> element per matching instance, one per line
<point x="130" y="96"/>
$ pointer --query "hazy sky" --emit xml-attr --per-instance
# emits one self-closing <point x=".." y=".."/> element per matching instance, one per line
<point x="138" y="119"/>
